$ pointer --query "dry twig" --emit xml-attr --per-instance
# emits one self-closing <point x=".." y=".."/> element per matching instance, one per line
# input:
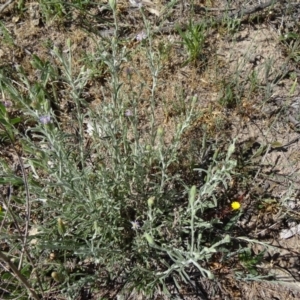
<point x="234" y="15"/>
<point x="5" y="5"/>
<point x="19" y="275"/>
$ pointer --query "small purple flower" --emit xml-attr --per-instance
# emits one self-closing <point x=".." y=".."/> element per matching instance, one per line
<point x="128" y="71"/>
<point x="45" y="120"/>
<point x="141" y="36"/>
<point x="128" y="113"/>
<point x="135" y="225"/>
<point x="6" y="103"/>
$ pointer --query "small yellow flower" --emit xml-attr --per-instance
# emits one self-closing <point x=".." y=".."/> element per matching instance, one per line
<point x="235" y="205"/>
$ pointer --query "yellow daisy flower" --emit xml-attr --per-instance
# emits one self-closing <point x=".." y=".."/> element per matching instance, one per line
<point x="235" y="205"/>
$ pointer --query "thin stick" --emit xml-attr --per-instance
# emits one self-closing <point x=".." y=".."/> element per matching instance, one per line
<point x="28" y="209"/>
<point x="5" y="5"/>
<point x="20" y="277"/>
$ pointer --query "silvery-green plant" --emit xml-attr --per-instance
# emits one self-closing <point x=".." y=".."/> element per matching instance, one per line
<point x="93" y="190"/>
<point x="195" y="253"/>
<point x="89" y="198"/>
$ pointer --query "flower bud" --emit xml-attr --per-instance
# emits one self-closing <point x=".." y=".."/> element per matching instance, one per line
<point x="58" y="277"/>
<point x="61" y="226"/>
<point x="151" y="201"/>
<point x="149" y="238"/>
<point x="112" y="4"/>
<point x="160" y="131"/>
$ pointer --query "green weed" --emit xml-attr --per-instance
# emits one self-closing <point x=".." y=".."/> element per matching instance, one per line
<point x="250" y="261"/>
<point x="6" y="35"/>
<point x="193" y="40"/>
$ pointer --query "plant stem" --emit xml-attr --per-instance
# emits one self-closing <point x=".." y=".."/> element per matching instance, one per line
<point x="20" y="277"/>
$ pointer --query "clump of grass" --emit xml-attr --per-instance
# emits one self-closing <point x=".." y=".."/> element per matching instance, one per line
<point x="193" y="39"/>
<point x="6" y="35"/>
<point x="291" y="42"/>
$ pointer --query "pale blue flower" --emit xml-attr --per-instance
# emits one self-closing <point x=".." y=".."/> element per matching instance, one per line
<point x="128" y="113"/>
<point x="45" y="119"/>
<point x="135" y="225"/>
<point x="141" y="36"/>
